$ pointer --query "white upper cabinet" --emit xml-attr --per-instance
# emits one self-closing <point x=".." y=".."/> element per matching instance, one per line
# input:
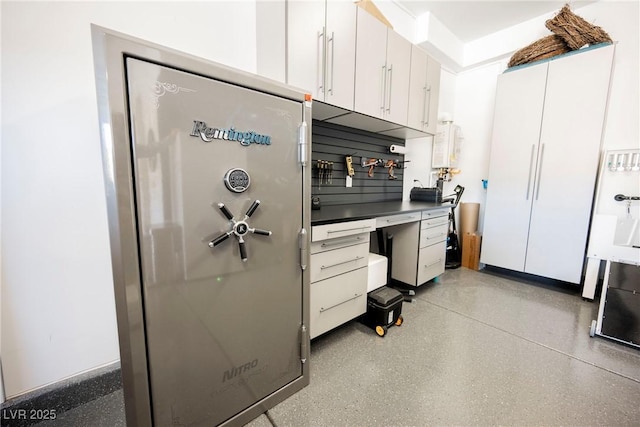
<point x="383" y="61"/>
<point x="321" y="49"/>
<point x="424" y="91"/>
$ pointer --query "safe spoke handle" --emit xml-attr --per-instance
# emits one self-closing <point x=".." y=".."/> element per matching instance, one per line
<point x="252" y="208"/>
<point x="261" y="232"/>
<point x="243" y="249"/>
<point x="219" y="239"/>
<point x="225" y="211"/>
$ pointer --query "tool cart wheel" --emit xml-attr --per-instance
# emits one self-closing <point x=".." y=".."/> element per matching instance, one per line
<point x="592" y="331"/>
<point x="400" y="321"/>
<point x="381" y="330"/>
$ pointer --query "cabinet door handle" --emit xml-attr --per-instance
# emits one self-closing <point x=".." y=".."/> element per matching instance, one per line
<point x="427" y="107"/>
<point x="540" y="172"/>
<point x="322" y="309"/>
<point x="383" y="87"/>
<point x="390" y="78"/>
<point x="342" y="242"/>
<point x="332" y="41"/>
<point x="433" y="263"/>
<point x="347" y="229"/>
<point x="433" y="236"/>
<point x="400" y="219"/>
<point x="533" y="147"/>
<point x="321" y="59"/>
<point x="356" y="259"/>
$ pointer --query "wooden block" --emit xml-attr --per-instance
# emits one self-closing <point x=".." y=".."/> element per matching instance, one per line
<point x="471" y="250"/>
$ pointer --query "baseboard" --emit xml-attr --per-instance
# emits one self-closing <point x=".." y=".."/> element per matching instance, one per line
<point x="52" y="400"/>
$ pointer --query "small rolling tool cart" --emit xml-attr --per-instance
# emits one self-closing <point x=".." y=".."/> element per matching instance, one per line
<point x="384" y="309"/>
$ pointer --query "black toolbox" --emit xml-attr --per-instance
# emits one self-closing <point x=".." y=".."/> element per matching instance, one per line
<point x="384" y="309"/>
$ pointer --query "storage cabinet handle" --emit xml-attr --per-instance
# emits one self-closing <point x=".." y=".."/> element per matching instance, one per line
<point x="383" y="87"/>
<point x="322" y="309"/>
<point x="333" y="48"/>
<point x="427" y="108"/>
<point x="347" y="229"/>
<point x="433" y="236"/>
<point x="530" y="168"/>
<point x="356" y="259"/>
<point x="321" y="59"/>
<point x="400" y="219"/>
<point x="341" y="242"/>
<point x="540" y="172"/>
<point x="390" y="87"/>
<point x="433" y="263"/>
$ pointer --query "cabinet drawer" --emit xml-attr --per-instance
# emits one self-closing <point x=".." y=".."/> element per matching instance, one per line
<point x="430" y="236"/>
<point x="332" y="263"/>
<point x="339" y="242"/>
<point x="434" y="213"/>
<point x="342" y="229"/>
<point x="434" y="222"/>
<point x="431" y="262"/>
<point x="386" y="221"/>
<point x="337" y="300"/>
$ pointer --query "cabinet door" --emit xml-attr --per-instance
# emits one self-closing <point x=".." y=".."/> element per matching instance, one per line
<point x="340" y="53"/>
<point x="417" y="89"/>
<point x="574" y="112"/>
<point x="514" y="147"/>
<point x="433" y="96"/>
<point x="306" y="38"/>
<point x="398" y="67"/>
<point x="371" y="41"/>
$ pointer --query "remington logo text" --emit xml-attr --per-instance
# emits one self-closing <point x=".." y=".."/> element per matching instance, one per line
<point x="208" y="134"/>
<point x="233" y="372"/>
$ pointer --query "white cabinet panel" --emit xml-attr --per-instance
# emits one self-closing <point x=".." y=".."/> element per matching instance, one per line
<point x="574" y="111"/>
<point x="514" y="147"/>
<point x="342" y="229"/>
<point x="338" y="261"/>
<point x="340" y="53"/>
<point x="544" y="155"/>
<point x="424" y="91"/>
<point x="321" y="49"/>
<point x="398" y="67"/>
<point x="371" y="54"/>
<point x="306" y="46"/>
<point x="431" y="262"/>
<point x="337" y="300"/>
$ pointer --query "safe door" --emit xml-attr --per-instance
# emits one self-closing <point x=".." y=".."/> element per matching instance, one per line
<point x="218" y="193"/>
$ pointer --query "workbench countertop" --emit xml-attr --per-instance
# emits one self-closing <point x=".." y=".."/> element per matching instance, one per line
<point x="356" y="211"/>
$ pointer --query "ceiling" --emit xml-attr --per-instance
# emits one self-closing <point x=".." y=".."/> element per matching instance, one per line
<point x="471" y="20"/>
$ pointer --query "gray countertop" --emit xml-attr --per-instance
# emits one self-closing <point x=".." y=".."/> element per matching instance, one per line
<point x="341" y="213"/>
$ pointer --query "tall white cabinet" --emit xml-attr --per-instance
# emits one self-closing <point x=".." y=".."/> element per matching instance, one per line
<point x="545" y="150"/>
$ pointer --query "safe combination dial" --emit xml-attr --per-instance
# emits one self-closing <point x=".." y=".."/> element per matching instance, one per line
<point x="239" y="228"/>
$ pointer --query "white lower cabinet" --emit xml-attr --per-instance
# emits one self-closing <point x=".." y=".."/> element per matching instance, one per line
<point x="419" y="248"/>
<point x="339" y="271"/>
<point x="337" y="300"/>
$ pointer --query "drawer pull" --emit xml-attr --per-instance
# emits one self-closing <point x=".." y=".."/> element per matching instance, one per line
<point x="347" y="229"/>
<point x="400" y="219"/>
<point x="433" y="236"/>
<point x="322" y="309"/>
<point x="356" y="259"/>
<point x="433" y="263"/>
<point x="341" y="242"/>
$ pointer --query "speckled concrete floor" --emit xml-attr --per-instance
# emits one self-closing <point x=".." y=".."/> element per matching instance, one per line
<point x="475" y="349"/>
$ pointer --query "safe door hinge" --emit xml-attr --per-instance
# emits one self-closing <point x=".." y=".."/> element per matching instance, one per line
<point x="303" y="144"/>
<point x="304" y="344"/>
<point x="303" y="242"/>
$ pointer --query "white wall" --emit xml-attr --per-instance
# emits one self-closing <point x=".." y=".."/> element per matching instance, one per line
<point x="58" y="312"/>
